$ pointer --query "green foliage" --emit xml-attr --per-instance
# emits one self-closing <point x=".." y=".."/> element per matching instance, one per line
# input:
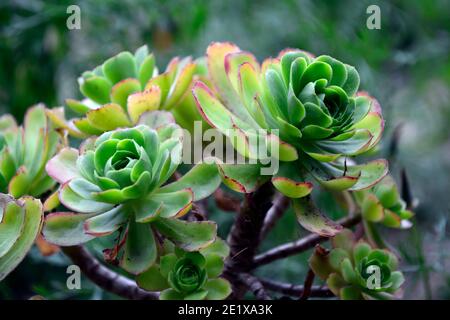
<point x="24" y="152"/>
<point x="41" y="60"/>
<point x="383" y="204"/>
<point x="124" y="87"/>
<point x="182" y="275"/>
<point x="21" y="222"/>
<point x="347" y="269"/>
<point x="116" y="182"/>
<point x="309" y="103"/>
<point x="308" y="113"/>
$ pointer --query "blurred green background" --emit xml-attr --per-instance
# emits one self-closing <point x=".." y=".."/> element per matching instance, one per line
<point x="405" y="65"/>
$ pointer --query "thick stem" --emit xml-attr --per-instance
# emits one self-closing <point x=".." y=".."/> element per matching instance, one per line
<point x="245" y="234"/>
<point x="255" y="286"/>
<point x="295" y="290"/>
<point x="198" y="211"/>
<point x="280" y="204"/>
<point x="295" y="247"/>
<point x="308" y="285"/>
<point x="105" y="278"/>
<point x="226" y="202"/>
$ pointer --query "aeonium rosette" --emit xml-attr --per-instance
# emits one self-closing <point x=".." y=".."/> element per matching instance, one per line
<point x="125" y="86"/>
<point x="119" y="182"/>
<point x="383" y="204"/>
<point x="354" y="270"/>
<point x="20" y="223"/>
<point x="308" y="107"/>
<point x="24" y="151"/>
<point x="188" y="275"/>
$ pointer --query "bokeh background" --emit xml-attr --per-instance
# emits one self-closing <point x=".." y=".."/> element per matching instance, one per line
<point x="405" y="65"/>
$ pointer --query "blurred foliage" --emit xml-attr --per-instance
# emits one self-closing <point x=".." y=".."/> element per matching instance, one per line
<point x="406" y="65"/>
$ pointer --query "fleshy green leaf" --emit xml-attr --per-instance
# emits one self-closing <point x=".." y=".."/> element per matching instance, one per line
<point x="218" y="289"/>
<point x="211" y="108"/>
<point x="170" y="294"/>
<point x="242" y="178"/>
<point x="140" y="102"/>
<point x="190" y="236"/>
<point x="350" y="293"/>
<point x="167" y="263"/>
<point x="66" y="228"/>
<point x="140" y="248"/>
<point x="372" y="209"/>
<point x="336" y="257"/>
<point x="361" y="250"/>
<point x="335" y="283"/>
<point x="10" y="224"/>
<point x="34" y="136"/>
<point x="371" y="173"/>
<point x="123" y="89"/>
<point x="30" y="229"/>
<point x="214" y="265"/>
<point x="152" y="280"/>
<point x="280" y="149"/>
<point x="197" y="295"/>
<point x="351" y="84"/>
<point x="63" y="166"/>
<point x="77" y="106"/>
<point x="216" y="54"/>
<point x="106" y="223"/>
<point x="320" y="265"/>
<point x="218" y="247"/>
<point x="147" y="69"/>
<point x="291" y="188"/>
<point x="315" y="71"/>
<point x="180" y="85"/>
<point x="96" y="88"/>
<point x="348" y="273"/>
<point x="344" y="240"/>
<point x="76" y="202"/>
<point x="166" y="205"/>
<point x="119" y="67"/>
<point x="203" y="179"/>
<point x="108" y="117"/>
<point x="340" y="183"/>
<point x="20" y="183"/>
<point x="309" y="216"/>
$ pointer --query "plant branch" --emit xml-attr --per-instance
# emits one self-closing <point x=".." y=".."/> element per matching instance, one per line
<point x="295" y="290"/>
<point x="255" y="286"/>
<point x="300" y="245"/>
<point x="308" y="285"/>
<point x="198" y="211"/>
<point x="280" y="204"/>
<point x="226" y="202"/>
<point x="245" y="234"/>
<point x="105" y="278"/>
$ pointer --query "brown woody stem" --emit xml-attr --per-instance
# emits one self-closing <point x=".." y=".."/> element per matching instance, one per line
<point x="105" y="278"/>
<point x="303" y="244"/>
<point x="280" y="204"/>
<point x="255" y="286"/>
<point x="307" y="287"/>
<point x="295" y="290"/>
<point x="245" y="234"/>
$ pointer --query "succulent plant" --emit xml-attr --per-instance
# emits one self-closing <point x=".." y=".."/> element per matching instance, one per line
<point x="354" y="270"/>
<point x="20" y="223"/>
<point x="125" y="86"/>
<point x="118" y="182"/>
<point x="383" y="204"/>
<point x="24" y="151"/>
<point x="182" y="275"/>
<point x="306" y="109"/>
